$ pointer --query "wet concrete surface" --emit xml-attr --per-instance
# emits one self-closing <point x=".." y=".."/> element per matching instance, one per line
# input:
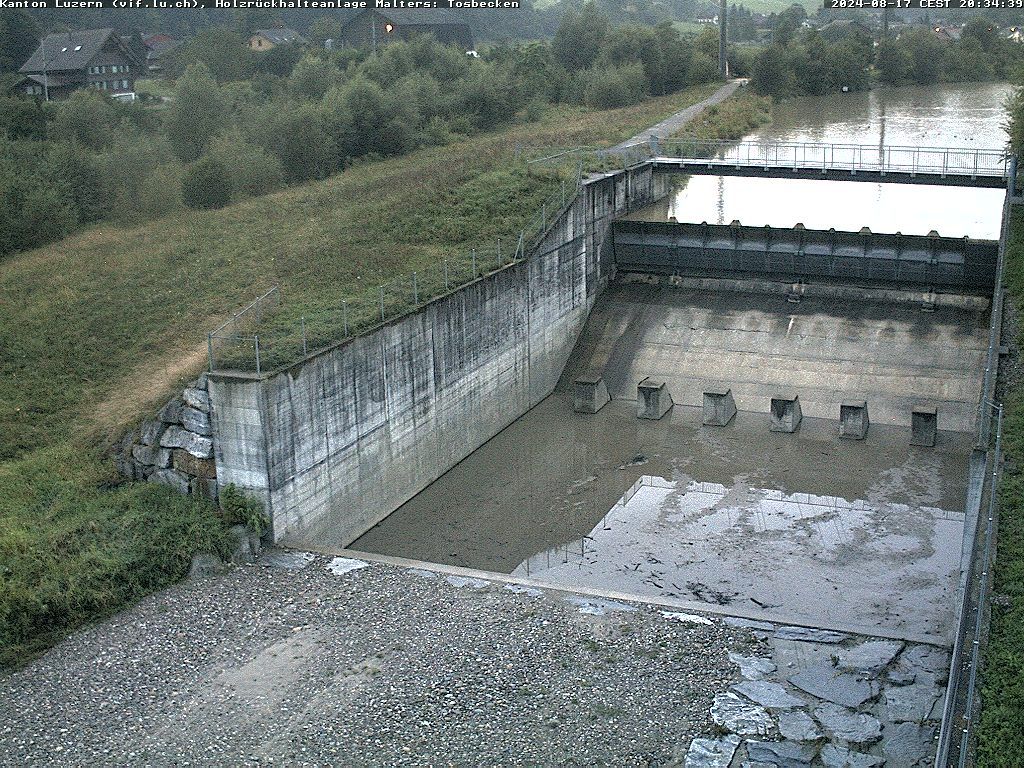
<point x="804" y="527"/>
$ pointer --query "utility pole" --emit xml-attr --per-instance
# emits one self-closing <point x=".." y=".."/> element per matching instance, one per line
<point x="46" y="80"/>
<point x="723" y="65"/>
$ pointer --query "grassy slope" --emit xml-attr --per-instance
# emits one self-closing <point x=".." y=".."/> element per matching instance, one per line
<point x="99" y="328"/>
<point x="1001" y="730"/>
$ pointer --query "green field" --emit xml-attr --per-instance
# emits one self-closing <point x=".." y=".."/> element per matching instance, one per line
<point x="100" y="328"/>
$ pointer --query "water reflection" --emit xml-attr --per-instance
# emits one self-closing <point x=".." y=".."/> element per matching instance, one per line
<point x="801" y="555"/>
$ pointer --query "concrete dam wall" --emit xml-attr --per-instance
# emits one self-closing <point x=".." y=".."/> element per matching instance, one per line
<point x="336" y="443"/>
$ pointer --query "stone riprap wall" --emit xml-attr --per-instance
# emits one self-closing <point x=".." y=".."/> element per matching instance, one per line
<point x="175" y="448"/>
<point x="336" y="443"/>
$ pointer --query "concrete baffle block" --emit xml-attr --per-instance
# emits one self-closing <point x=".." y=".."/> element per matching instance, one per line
<point x="785" y="413"/>
<point x="652" y="399"/>
<point x="719" y="407"/>
<point x="924" y="425"/>
<point x="589" y="394"/>
<point x="853" y="420"/>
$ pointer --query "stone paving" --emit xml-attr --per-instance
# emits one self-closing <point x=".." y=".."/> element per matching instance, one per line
<point x="820" y="698"/>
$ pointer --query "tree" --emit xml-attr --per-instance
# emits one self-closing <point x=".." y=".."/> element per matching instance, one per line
<point x="615" y="86"/>
<point x="196" y="115"/>
<point x="19" y="36"/>
<point x="966" y="61"/>
<point x="297" y="137"/>
<point x="223" y="51"/>
<point x="81" y="174"/>
<point x="786" y="24"/>
<point x="926" y="55"/>
<point x="579" y="37"/>
<point x="206" y="185"/>
<point x="323" y="29"/>
<point x="772" y="75"/>
<point x="892" y="62"/>
<point x="251" y="169"/>
<point x="86" y="117"/>
<point x="22" y="118"/>
<point x="279" y="60"/>
<point x="312" y="77"/>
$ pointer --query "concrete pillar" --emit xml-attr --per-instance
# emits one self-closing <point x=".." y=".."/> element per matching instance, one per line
<point x="589" y="394"/>
<point x="785" y="413"/>
<point x="652" y="399"/>
<point x="719" y="407"/>
<point x="924" y="425"/>
<point x="853" y="420"/>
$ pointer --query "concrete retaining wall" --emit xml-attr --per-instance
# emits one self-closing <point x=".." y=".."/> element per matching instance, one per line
<point x="335" y="444"/>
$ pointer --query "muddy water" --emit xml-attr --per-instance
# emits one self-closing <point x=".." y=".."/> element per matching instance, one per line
<point x="963" y="115"/>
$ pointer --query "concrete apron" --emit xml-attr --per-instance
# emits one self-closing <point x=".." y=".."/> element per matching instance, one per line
<point x="610" y="594"/>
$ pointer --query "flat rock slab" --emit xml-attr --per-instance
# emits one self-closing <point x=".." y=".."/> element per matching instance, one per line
<point x="467" y="581"/>
<point x="910" y="703"/>
<point x="833" y="686"/>
<point x="870" y="657"/>
<point x="711" y="753"/>
<point x="734" y="621"/>
<point x="738" y="715"/>
<point x="596" y="607"/>
<point x="339" y="566"/>
<point x="809" y="635"/>
<point x="798" y="726"/>
<point x="753" y="667"/>
<point x="847" y="725"/>
<point x="925" y="658"/>
<point x="286" y="558"/>
<point x="784" y="754"/>
<point x="768" y="694"/>
<point x="908" y="745"/>
<point x="835" y="756"/>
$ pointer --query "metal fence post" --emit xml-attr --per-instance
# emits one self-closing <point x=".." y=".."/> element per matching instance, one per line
<point x="382" y="303"/>
<point x="563" y="193"/>
<point x="499" y="251"/>
<point x="209" y="349"/>
<point x="474" y="262"/>
<point x="305" y="350"/>
<point x="446" y="274"/>
<point x="415" y="291"/>
<point x="543" y="216"/>
<point x="256" y="339"/>
<point x="344" y="315"/>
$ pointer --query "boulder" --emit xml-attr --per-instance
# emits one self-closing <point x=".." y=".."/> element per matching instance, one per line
<point x="197" y="398"/>
<point x="190" y="465"/>
<point x="711" y="753"/>
<point x="828" y="684"/>
<point x="196" y="421"/>
<point x="152" y="455"/>
<point x="177" y="437"/>
<point x="740" y="716"/>
<point x="169" y="477"/>
<point x="847" y="725"/>
<point x="151" y="432"/>
<point x="204" y="566"/>
<point x="246" y="544"/>
<point x="171" y="413"/>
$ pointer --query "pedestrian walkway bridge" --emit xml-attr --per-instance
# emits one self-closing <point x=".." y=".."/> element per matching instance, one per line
<point x="834" y="162"/>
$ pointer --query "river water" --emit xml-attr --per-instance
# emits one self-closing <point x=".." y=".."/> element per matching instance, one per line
<point x="967" y="115"/>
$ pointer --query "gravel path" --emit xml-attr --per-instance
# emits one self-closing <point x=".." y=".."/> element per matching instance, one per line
<point x="674" y="123"/>
<point x="376" y="666"/>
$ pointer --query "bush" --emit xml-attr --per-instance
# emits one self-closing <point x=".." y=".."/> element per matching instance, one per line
<point x="206" y="185"/>
<point x="252" y="170"/>
<point x="238" y="508"/>
<point x="614" y="86"/>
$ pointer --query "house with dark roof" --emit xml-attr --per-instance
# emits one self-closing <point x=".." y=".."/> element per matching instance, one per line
<point x="375" y="27"/>
<point x="157" y="47"/>
<point x="265" y="39"/>
<point x="88" y="58"/>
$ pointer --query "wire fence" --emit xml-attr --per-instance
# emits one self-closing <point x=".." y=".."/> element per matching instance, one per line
<point x="268" y="334"/>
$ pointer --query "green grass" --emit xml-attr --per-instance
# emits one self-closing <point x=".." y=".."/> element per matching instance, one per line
<point x="732" y="119"/>
<point x="99" y="329"/>
<point x="1001" y="727"/>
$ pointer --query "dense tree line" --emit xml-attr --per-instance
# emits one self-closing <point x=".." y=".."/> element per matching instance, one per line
<point x="802" y="62"/>
<point x="240" y="124"/>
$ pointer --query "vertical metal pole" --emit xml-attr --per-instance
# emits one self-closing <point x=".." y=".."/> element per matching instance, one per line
<point x="415" y="290"/>
<point x="305" y="350"/>
<point x="344" y="315"/>
<point x="446" y="274"/>
<point x="543" y="216"/>
<point x="563" y="193"/>
<point x="474" y="262"/>
<point x="209" y="349"/>
<point x="256" y="338"/>
<point x="382" y="303"/>
<point x="499" y="251"/>
<point x="723" y="66"/>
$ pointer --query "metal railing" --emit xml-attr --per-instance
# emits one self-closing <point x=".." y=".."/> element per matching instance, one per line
<point x="943" y="161"/>
<point x="268" y="334"/>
